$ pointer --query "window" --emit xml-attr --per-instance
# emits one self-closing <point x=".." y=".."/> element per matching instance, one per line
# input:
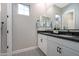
<point x="23" y="9"/>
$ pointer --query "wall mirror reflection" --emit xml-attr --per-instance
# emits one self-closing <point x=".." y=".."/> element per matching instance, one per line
<point x="63" y="16"/>
<point x="44" y="23"/>
<point x="68" y="19"/>
<point x="57" y="22"/>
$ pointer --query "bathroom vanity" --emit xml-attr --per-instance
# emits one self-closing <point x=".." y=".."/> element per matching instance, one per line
<point x="58" y="44"/>
<point x="65" y="43"/>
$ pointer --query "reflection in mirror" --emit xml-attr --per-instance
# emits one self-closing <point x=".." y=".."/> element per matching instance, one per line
<point x="57" y="22"/>
<point x="68" y="20"/>
<point x="43" y="23"/>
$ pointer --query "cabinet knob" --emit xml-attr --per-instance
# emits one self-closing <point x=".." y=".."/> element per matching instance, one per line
<point x="7" y="47"/>
<point x="41" y="40"/>
<point x="59" y="50"/>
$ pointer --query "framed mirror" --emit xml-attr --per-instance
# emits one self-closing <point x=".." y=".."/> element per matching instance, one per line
<point x="68" y="19"/>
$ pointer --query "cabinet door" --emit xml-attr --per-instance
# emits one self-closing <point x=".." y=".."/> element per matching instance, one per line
<point x="44" y="44"/>
<point x="40" y="39"/>
<point x="69" y="52"/>
<point x="52" y="48"/>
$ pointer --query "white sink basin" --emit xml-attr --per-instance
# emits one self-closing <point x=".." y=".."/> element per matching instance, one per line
<point x="65" y="35"/>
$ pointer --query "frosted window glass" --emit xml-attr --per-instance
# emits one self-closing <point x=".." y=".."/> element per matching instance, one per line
<point x="23" y="9"/>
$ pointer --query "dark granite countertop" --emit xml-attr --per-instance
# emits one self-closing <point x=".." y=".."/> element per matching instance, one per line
<point x="62" y="36"/>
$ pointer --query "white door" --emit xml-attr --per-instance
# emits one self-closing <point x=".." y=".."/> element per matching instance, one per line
<point x="6" y="29"/>
<point x="3" y="29"/>
<point x="9" y="28"/>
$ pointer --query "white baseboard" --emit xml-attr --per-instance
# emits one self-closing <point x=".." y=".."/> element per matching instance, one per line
<point x="3" y="54"/>
<point x="24" y="50"/>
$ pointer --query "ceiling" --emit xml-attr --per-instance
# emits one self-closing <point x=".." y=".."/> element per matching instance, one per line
<point x="61" y="5"/>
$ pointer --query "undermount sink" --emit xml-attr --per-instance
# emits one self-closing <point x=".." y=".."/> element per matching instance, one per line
<point x="56" y="31"/>
<point x="65" y="35"/>
<point x="47" y="33"/>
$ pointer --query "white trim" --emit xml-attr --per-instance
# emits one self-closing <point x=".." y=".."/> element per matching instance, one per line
<point x="72" y="10"/>
<point x="3" y="54"/>
<point x="0" y="29"/>
<point x="24" y="50"/>
<point x="9" y="28"/>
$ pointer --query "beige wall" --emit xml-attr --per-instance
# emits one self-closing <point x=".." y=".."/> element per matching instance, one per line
<point x="24" y="32"/>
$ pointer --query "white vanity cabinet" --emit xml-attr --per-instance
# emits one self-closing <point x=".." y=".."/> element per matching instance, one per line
<point x="61" y="47"/>
<point x="42" y="43"/>
<point x="53" y="46"/>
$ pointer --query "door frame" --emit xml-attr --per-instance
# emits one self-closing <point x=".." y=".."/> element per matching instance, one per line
<point x="9" y="28"/>
<point x="0" y="30"/>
